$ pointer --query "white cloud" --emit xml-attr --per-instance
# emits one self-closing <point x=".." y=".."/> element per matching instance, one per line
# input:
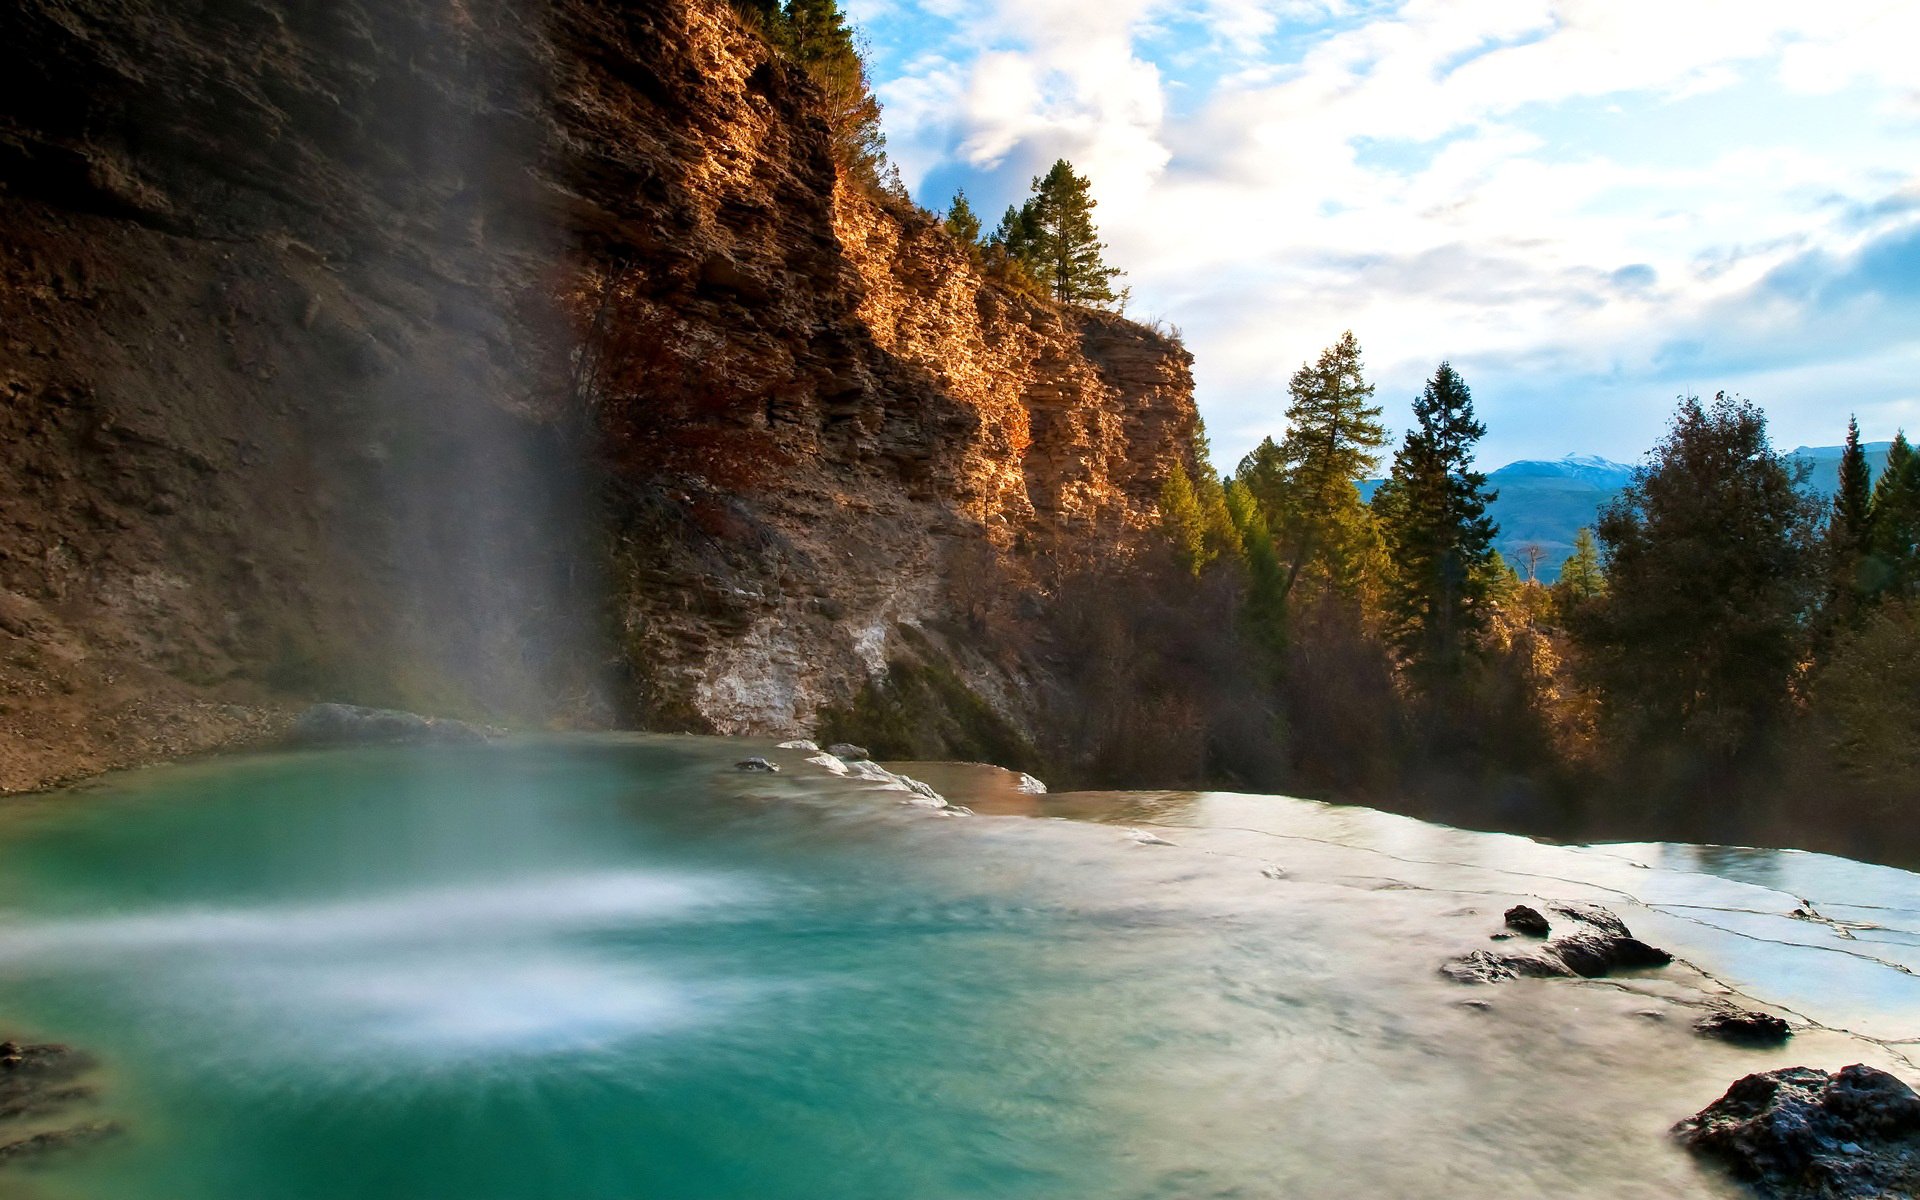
<point x="1495" y="180"/>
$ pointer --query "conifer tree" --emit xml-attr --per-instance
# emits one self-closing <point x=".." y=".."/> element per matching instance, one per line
<point x="1439" y="538"/>
<point x="817" y="35"/>
<point x="962" y="223"/>
<point x="1334" y="438"/>
<point x="1183" y="520"/>
<point x="1848" y="530"/>
<point x="1055" y="237"/>
<point x="1266" y="602"/>
<point x="1582" y="578"/>
<point x="1009" y="252"/>
<point x="1713" y="566"/>
<point x="1853" y="499"/>
<point x="1893" y="524"/>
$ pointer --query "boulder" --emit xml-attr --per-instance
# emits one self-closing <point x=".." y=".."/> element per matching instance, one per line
<point x="1802" y="1134"/>
<point x="756" y="764"/>
<point x="328" y="725"/>
<point x="1744" y="1027"/>
<point x="1595" y="953"/>
<point x="849" y="752"/>
<point x="1522" y="919"/>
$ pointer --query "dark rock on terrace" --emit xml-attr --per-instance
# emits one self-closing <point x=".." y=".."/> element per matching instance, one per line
<point x="1522" y="919"/>
<point x="1744" y="1027"/>
<point x="1598" y="946"/>
<point x="1801" y="1134"/>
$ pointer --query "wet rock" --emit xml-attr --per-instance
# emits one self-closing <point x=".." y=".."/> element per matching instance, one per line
<point x="1744" y="1027"/>
<point x="1522" y="919"/>
<point x="40" y="1082"/>
<point x="325" y="725"/>
<point x="1801" y="1134"/>
<point x="829" y="764"/>
<point x="1595" y="953"/>
<point x="849" y="751"/>
<point x="57" y="1139"/>
<point x="919" y="795"/>
<point x="1598" y="946"/>
<point x="1143" y="838"/>
<point x="807" y="746"/>
<point x="1484" y="966"/>
<point x="756" y="764"/>
<point x="1594" y="915"/>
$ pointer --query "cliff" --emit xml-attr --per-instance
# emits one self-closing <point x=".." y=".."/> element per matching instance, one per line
<point x="519" y="360"/>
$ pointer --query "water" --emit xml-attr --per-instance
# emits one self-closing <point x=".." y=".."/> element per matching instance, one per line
<point x="614" y="968"/>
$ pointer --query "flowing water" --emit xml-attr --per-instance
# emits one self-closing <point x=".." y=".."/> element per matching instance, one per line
<point x="616" y="968"/>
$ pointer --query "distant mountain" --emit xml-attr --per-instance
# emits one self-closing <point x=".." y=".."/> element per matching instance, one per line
<point x="1825" y="461"/>
<point x="1543" y="502"/>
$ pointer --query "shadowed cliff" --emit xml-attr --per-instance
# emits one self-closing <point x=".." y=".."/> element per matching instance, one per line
<point x="527" y="361"/>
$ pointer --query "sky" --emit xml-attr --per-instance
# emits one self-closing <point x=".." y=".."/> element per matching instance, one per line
<point x="1590" y="207"/>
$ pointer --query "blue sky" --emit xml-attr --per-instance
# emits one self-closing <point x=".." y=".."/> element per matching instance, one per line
<point x="1588" y="206"/>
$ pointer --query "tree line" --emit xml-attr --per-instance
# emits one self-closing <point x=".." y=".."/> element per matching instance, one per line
<point x="1724" y="653"/>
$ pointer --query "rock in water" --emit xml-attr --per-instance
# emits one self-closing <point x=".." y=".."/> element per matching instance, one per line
<point x="1801" y="1134"/>
<point x="37" y="1083"/>
<point x="1595" y="953"/>
<point x="756" y="764"/>
<point x="1744" y="1028"/>
<point x="1598" y="946"/>
<point x="351" y="725"/>
<point x="803" y="744"/>
<point x="1484" y="966"/>
<point x="1522" y="919"/>
<point x="849" y="751"/>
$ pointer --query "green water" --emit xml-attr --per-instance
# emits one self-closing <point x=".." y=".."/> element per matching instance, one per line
<point x="616" y="968"/>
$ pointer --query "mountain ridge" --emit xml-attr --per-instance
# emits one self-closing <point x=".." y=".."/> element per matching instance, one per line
<point x="1543" y="502"/>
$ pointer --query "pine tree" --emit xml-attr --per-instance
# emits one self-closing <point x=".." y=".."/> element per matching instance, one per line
<point x="1265" y="602"/>
<point x="1056" y="237"/>
<point x="1713" y="565"/>
<point x="1183" y="520"/>
<point x="1848" y="530"/>
<point x="1009" y="252"/>
<point x="817" y="36"/>
<point x="1334" y="438"/>
<point x="962" y="223"/>
<point x="1439" y="538"/>
<point x="1582" y="578"/>
<point x="1853" y="500"/>
<point x="1892" y="565"/>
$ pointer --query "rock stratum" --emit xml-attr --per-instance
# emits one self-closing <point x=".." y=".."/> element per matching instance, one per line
<point x="528" y="362"/>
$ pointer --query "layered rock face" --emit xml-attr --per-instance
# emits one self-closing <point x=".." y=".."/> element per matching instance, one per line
<point x="517" y="360"/>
